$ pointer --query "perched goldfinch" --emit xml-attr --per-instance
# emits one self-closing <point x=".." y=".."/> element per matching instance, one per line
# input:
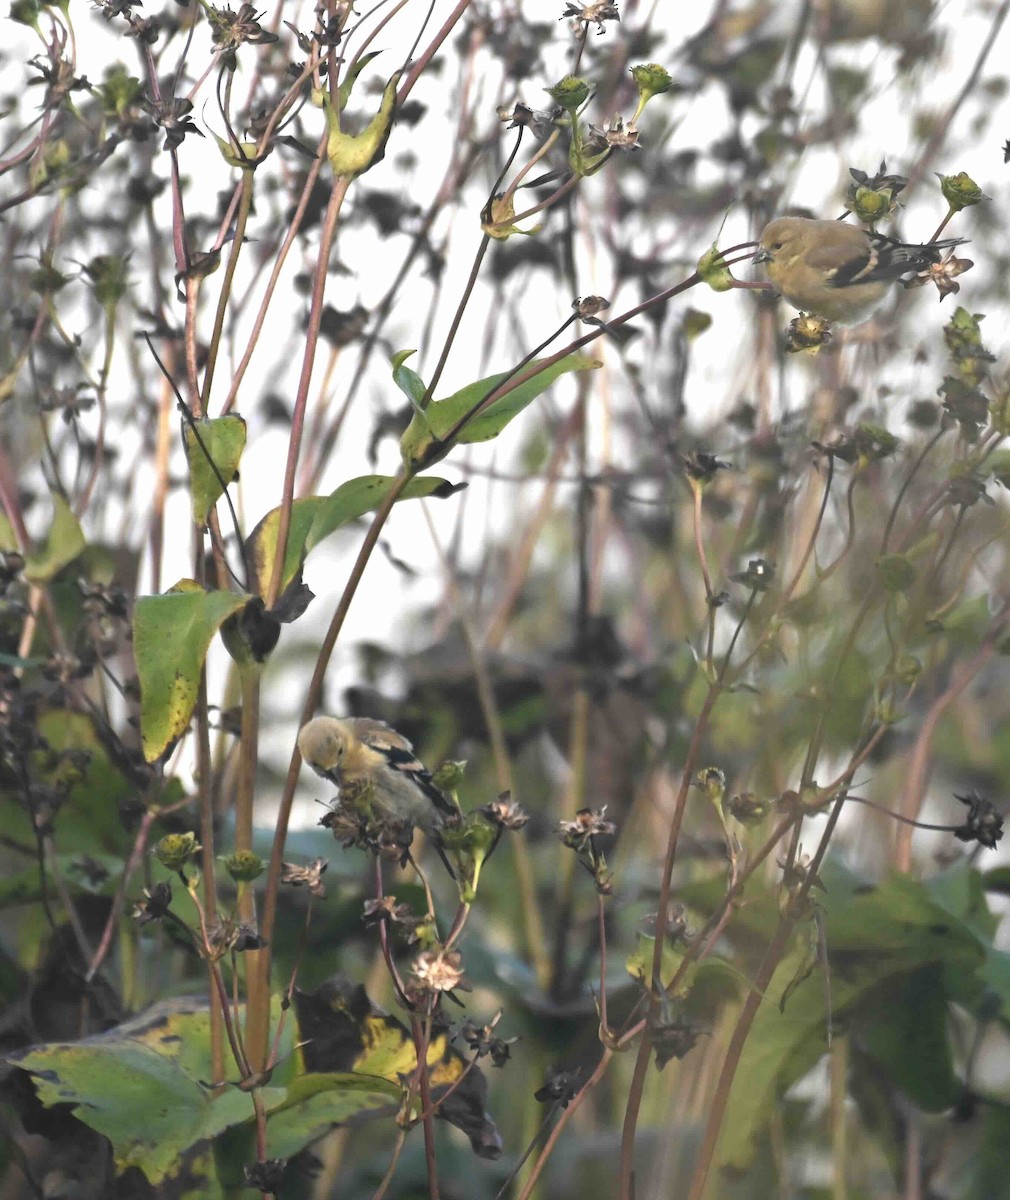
<point x="836" y="270"/>
<point x="369" y="761"/>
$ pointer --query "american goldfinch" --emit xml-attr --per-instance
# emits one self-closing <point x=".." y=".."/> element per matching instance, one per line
<point x="370" y="762"/>
<point x="836" y="270"/>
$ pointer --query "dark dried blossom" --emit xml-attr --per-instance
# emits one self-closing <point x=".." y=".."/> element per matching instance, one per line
<point x="673" y="1038"/>
<point x="758" y="576"/>
<point x="615" y="135"/>
<point x="807" y="332"/>
<point x="310" y="876"/>
<point x="245" y="938"/>
<point x="385" y="908"/>
<point x="505" y="813"/>
<point x="561" y="1087"/>
<point x="966" y="489"/>
<point x="267" y="1175"/>
<point x="172" y="114"/>
<point x="942" y="274"/>
<point x="589" y="307"/>
<point x="57" y="75"/>
<point x="235" y="936"/>
<point x="481" y="1040"/>
<point x="155" y="904"/>
<point x="116" y="8"/>
<point x="593" y="14"/>
<point x="702" y="467"/>
<point x="983" y="823"/>
<point x="540" y="122"/>
<point x="231" y="30"/>
<point x="588" y="824"/>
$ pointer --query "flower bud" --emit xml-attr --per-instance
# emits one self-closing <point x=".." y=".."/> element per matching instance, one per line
<point x="176" y="849"/>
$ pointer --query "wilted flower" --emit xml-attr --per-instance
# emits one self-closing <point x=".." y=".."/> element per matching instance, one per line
<point x="807" y="332"/>
<point x="592" y="14"/>
<point x="673" y="1038"/>
<point x="758" y="576"/>
<point x="232" y="29"/>
<point x="310" y="876"/>
<point x="385" y="908"/>
<point x="560" y="1086"/>
<point x="983" y="823"/>
<point x="482" y="1042"/>
<point x="172" y="114"/>
<point x="589" y="306"/>
<point x="702" y="467"/>
<point x="615" y="135"/>
<point x="266" y="1176"/>
<point x="540" y="122"/>
<point x="505" y="813"/>
<point x="587" y="825"/>
<point x="438" y="971"/>
<point x="943" y="274"/>
<point x="155" y="904"/>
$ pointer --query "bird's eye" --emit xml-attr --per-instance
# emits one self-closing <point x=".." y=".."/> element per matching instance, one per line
<point x="777" y="245"/>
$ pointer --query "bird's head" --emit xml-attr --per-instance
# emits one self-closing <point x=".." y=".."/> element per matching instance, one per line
<point x="323" y="742"/>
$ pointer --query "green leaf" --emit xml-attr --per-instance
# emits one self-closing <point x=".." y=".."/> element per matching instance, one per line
<point x="171" y="636"/>
<point x="878" y="938"/>
<point x="224" y="440"/>
<point x="408" y="380"/>
<point x="316" y="1102"/>
<point x="147" y="1108"/>
<point x="359" y="496"/>
<point x="420" y="445"/>
<point x="60" y="546"/>
<point x="316" y="517"/>
<point x="907" y="1035"/>
<point x="145" y="1085"/>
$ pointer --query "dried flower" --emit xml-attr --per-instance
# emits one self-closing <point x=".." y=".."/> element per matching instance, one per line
<point x="589" y="306"/>
<point x="615" y="135"/>
<point x="592" y="14"/>
<point x="588" y="824"/>
<point x="310" y="876"/>
<point x="231" y="30"/>
<point x="560" y="1087"/>
<point x="155" y="904"/>
<point x="483" y="1043"/>
<point x="983" y="823"/>
<point x="673" y="1038"/>
<point x="807" y="332"/>
<point x="438" y="971"/>
<point x="505" y="813"/>
<point x="942" y="274"/>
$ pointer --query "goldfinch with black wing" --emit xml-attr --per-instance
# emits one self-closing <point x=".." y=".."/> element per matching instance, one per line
<point x="368" y="760"/>
<point x="836" y="270"/>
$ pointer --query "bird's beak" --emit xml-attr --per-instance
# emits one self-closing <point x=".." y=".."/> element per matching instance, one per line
<point x="762" y="255"/>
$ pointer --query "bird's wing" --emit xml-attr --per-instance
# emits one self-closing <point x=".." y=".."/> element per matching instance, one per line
<point x="846" y="264"/>
<point x="399" y="753"/>
<point x="377" y="734"/>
